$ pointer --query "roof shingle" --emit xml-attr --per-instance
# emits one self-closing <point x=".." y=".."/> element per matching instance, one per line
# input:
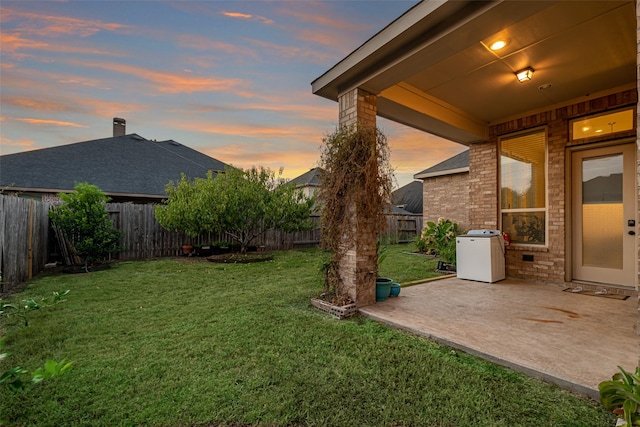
<point x="128" y="164"/>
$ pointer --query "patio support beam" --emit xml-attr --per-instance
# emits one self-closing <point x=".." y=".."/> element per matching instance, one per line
<point x="358" y="107"/>
<point x="438" y="117"/>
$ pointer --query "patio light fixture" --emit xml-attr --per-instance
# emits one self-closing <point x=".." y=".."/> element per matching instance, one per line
<point x="525" y="74"/>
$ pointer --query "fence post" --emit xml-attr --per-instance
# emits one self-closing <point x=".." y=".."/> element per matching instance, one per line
<point x="30" y="242"/>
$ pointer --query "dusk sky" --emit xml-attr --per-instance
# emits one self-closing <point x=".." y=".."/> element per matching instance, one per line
<point x="231" y="79"/>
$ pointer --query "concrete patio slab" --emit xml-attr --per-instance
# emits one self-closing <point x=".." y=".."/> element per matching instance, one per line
<point x="572" y="340"/>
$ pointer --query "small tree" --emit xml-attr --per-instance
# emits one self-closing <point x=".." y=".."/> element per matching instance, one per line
<point x="242" y="204"/>
<point x="254" y="201"/>
<point x="189" y="207"/>
<point x="84" y="219"/>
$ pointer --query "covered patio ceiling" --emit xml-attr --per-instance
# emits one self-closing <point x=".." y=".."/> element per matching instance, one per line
<point x="433" y="68"/>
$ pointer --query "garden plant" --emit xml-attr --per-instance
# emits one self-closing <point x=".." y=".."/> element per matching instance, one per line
<point x="439" y="238"/>
<point x="243" y="204"/>
<point x="621" y="395"/>
<point x="84" y="219"/>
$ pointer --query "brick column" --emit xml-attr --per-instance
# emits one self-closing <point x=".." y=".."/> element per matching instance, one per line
<point x="356" y="269"/>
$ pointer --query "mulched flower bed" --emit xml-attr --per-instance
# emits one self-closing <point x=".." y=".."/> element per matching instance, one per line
<point x="240" y="258"/>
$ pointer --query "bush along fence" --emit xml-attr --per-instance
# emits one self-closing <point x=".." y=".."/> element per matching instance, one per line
<point x="145" y="238"/>
<point x="27" y="241"/>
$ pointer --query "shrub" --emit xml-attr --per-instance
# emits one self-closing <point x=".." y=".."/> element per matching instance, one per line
<point x="243" y="204"/>
<point x="621" y="395"/>
<point x="83" y="217"/>
<point x="439" y="238"/>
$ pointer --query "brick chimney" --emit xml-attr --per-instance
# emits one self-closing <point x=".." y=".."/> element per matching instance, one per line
<point x="119" y="126"/>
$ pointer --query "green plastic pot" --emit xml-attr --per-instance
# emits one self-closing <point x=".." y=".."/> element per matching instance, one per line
<point x="395" y="289"/>
<point x="383" y="288"/>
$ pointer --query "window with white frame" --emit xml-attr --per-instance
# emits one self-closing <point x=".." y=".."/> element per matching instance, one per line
<point x="523" y="187"/>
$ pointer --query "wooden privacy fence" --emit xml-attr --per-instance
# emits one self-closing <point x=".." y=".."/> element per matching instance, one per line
<point x="403" y="228"/>
<point x="24" y="234"/>
<point x="145" y="238"/>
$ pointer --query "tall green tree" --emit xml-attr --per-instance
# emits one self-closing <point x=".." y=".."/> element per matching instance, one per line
<point x="244" y="204"/>
<point x="84" y="219"/>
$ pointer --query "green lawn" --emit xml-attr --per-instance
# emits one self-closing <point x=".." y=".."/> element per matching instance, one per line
<point x="181" y="342"/>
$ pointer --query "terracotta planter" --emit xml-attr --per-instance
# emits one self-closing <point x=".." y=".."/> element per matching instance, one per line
<point x="186" y="249"/>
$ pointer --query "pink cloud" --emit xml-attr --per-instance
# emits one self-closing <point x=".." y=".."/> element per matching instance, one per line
<point x="32" y="104"/>
<point x="12" y="43"/>
<point x="53" y="25"/>
<point x="48" y="122"/>
<point x="318" y="24"/>
<point x="413" y="151"/>
<point x="8" y="146"/>
<point x="32" y="80"/>
<point x="247" y="16"/>
<point x="42" y="92"/>
<point x="247" y="130"/>
<point x="295" y="163"/>
<point x="73" y="104"/>
<point x="237" y="15"/>
<point x="324" y="19"/>
<point x="193" y="41"/>
<point x="293" y="52"/>
<point x="176" y="83"/>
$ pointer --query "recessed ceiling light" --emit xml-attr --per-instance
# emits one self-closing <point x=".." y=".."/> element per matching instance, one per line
<point x="498" y="44"/>
<point x="585" y="128"/>
<point x="599" y="131"/>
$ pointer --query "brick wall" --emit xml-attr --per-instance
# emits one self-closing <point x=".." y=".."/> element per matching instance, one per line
<point x="447" y="196"/>
<point x="548" y="265"/>
<point x="483" y="186"/>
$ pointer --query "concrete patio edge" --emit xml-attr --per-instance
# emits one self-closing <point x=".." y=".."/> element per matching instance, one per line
<point x="565" y="384"/>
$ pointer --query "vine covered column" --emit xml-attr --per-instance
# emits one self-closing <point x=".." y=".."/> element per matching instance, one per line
<point x="357" y="269"/>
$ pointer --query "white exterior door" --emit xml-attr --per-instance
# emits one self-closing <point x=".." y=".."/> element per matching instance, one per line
<point x="604" y="215"/>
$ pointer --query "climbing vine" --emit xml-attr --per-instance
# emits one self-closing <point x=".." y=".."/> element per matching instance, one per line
<point x="356" y="180"/>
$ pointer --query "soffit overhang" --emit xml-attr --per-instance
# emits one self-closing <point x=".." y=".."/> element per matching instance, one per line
<point x="432" y="69"/>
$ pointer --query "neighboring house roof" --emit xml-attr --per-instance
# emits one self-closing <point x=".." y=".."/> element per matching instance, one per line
<point x="409" y="197"/>
<point x="308" y="179"/>
<point x="456" y="164"/>
<point x="400" y="211"/>
<point x="120" y="165"/>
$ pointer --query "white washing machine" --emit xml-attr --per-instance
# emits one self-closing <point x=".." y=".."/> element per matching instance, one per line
<point x="480" y="256"/>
